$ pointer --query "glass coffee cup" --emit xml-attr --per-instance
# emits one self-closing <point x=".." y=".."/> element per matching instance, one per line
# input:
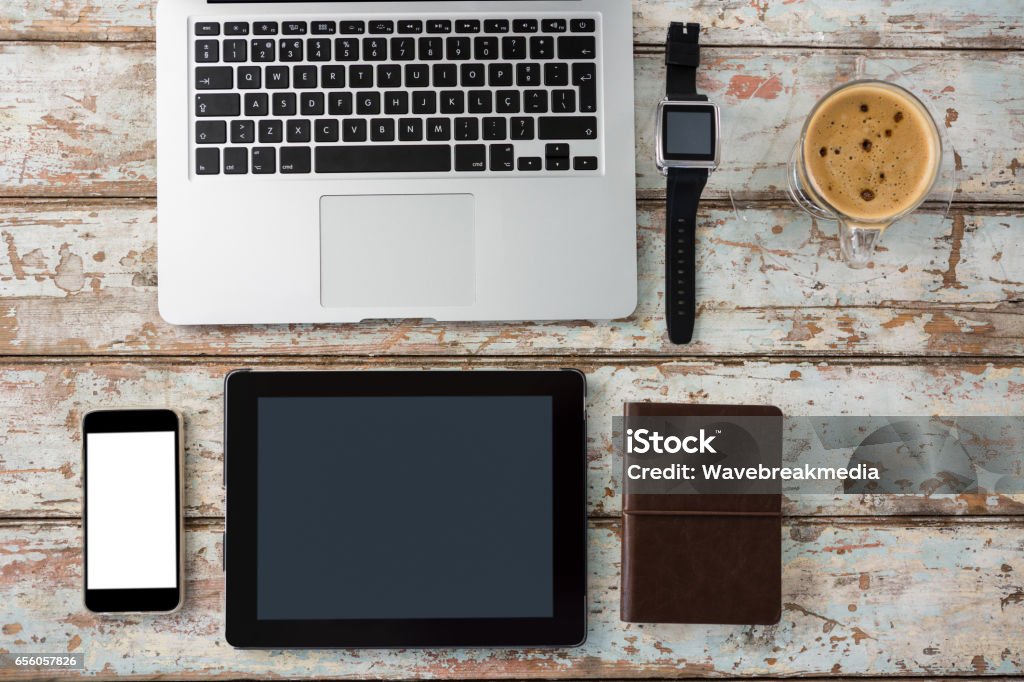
<point x="869" y="153"/>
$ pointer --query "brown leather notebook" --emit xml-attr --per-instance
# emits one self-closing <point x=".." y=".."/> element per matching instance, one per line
<point x="701" y="558"/>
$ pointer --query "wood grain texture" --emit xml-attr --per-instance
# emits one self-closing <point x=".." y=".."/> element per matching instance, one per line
<point x="812" y="23"/>
<point x="865" y="598"/>
<point x="81" y="277"/>
<point x="42" y="404"/>
<point x="84" y="120"/>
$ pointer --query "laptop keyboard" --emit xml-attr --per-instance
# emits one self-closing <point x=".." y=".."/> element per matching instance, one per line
<point x="420" y="95"/>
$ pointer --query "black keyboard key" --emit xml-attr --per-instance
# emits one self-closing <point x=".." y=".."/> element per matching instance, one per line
<point x="577" y="47"/>
<point x="522" y="128"/>
<point x="207" y="51"/>
<point x="250" y="77"/>
<point x="298" y="130"/>
<point x="553" y="25"/>
<point x="535" y="101"/>
<point x="324" y="28"/>
<point x="263" y="50"/>
<point x="559" y="150"/>
<point x="375" y="49"/>
<point x="211" y="132"/>
<point x="346" y="49"/>
<point x="556" y="74"/>
<point x="332" y="76"/>
<point x="382" y="129"/>
<point x="585" y="163"/>
<point x="339" y="103"/>
<point x="295" y="160"/>
<point x="424" y="102"/>
<point x="326" y="130"/>
<point x="207" y="161"/>
<point x="265" y="28"/>
<point x="384" y="159"/>
<point x="467" y="26"/>
<point x="470" y="157"/>
<point x="446" y="75"/>
<point x="495" y="128"/>
<point x="396" y="103"/>
<point x="236" y="50"/>
<point x="236" y="28"/>
<point x="513" y="47"/>
<point x="485" y="48"/>
<point x="352" y="27"/>
<point x="542" y="47"/>
<point x="403" y="49"/>
<point x="472" y="75"/>
<point x="431" y="49"/>
<point x="417" y="76"/>
<point x="410" y="129"/>
<point x="290" y="50"/>
<point x="285" y="104"/>
<point x="218" y="106"/>
<point x="389" y="76"/>
<point x="563" y="102"/>
<point x="529" y="163"/>
<point x="527" y="75"/>
<point x="458" y="48"/>
<point x="506" y="101"/>
<point x="503" y="157"/>
<point x="410" y="26"/>
<point x="236" y="161"/>
<point x="556" y="163"/>
<point x="499" y="75"/>
<point x="582" y="26"/>
<point x="311" y="104"/>
<point x="585" y="77"/>
<point x="214" y="78"/>
<point x="304" y="77"/>
<point x="278" y="77"/>
<point x="439" y="26"/>
<point x="439" y="129"/>
<point x="354" y="130"/>
<point x="243" y="132"/>
<point x="382" y="26"/>
<point x="453" y="102"/>
<point x="264" y="160"/>
<point x="367" y="103"/>
<point x="567" y="127"/>
<point x="318" y="49"/>
<point x="207" y="28"/>
<point x="496" y="26"/>
<point x="257" y="104"/>
<point x="270" y="131"/>
<point x="524" y="26"/>
<point x="361" y="76"/>
<point x="480" y="101"/>
<point x="294" y="28"/>
<point x="467" y="129"/>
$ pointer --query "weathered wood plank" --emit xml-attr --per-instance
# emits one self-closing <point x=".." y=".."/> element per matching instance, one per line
<point x="82" y="118"/>
<point x="41" y="405"/>
<point x="910" y="23"/>
<point x="80" y="277"/>
<point x="859" y="599"/>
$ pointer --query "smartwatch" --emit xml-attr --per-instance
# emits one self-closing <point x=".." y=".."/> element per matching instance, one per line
<point x="688" y="150"/>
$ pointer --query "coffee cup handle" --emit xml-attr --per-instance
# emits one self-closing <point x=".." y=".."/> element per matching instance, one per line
<point x="857" y="241"/>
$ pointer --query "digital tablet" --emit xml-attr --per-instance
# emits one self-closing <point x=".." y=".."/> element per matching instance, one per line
<point x="405" y="509"/>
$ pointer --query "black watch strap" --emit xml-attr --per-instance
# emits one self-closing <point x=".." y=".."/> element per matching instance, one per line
<point x="685" y="185"/>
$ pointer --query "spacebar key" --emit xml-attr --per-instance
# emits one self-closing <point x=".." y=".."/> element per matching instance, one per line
<point x="384" y="159"/>
<point x="567" y="128"/>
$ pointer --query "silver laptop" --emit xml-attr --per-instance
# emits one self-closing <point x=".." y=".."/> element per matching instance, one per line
<point x="344" y="161"/>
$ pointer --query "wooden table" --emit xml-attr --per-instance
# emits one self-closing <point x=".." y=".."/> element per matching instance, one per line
<point x="872" y="586"/>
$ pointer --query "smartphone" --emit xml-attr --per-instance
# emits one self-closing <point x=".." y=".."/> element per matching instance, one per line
<point x="132" y="511"/>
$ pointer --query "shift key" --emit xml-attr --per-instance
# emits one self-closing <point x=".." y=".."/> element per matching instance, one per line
<point x="218" y="105"/>
<point x="567" y="128"/>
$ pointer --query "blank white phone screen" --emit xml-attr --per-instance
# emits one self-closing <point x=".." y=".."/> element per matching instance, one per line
<point x="131" y="519"/>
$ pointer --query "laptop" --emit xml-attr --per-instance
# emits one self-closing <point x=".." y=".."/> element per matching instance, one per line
<point x="340" y="161"/>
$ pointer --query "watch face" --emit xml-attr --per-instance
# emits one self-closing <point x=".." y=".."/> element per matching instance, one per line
<point x="688" y="132"/>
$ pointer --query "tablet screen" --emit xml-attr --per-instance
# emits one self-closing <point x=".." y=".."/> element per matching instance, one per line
<point x="404" y="507"/>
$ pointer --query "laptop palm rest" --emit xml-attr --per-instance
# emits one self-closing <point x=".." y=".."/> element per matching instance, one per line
<point x="402" y="250"/>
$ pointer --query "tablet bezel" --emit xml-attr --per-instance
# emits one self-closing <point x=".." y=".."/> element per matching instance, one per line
<point x="567" y="627"/>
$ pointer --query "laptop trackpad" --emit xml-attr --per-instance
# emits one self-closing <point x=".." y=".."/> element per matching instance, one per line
<point x="397" y="250"/>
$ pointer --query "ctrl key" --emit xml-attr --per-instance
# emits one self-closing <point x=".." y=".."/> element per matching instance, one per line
<point x="208" y="161"/>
